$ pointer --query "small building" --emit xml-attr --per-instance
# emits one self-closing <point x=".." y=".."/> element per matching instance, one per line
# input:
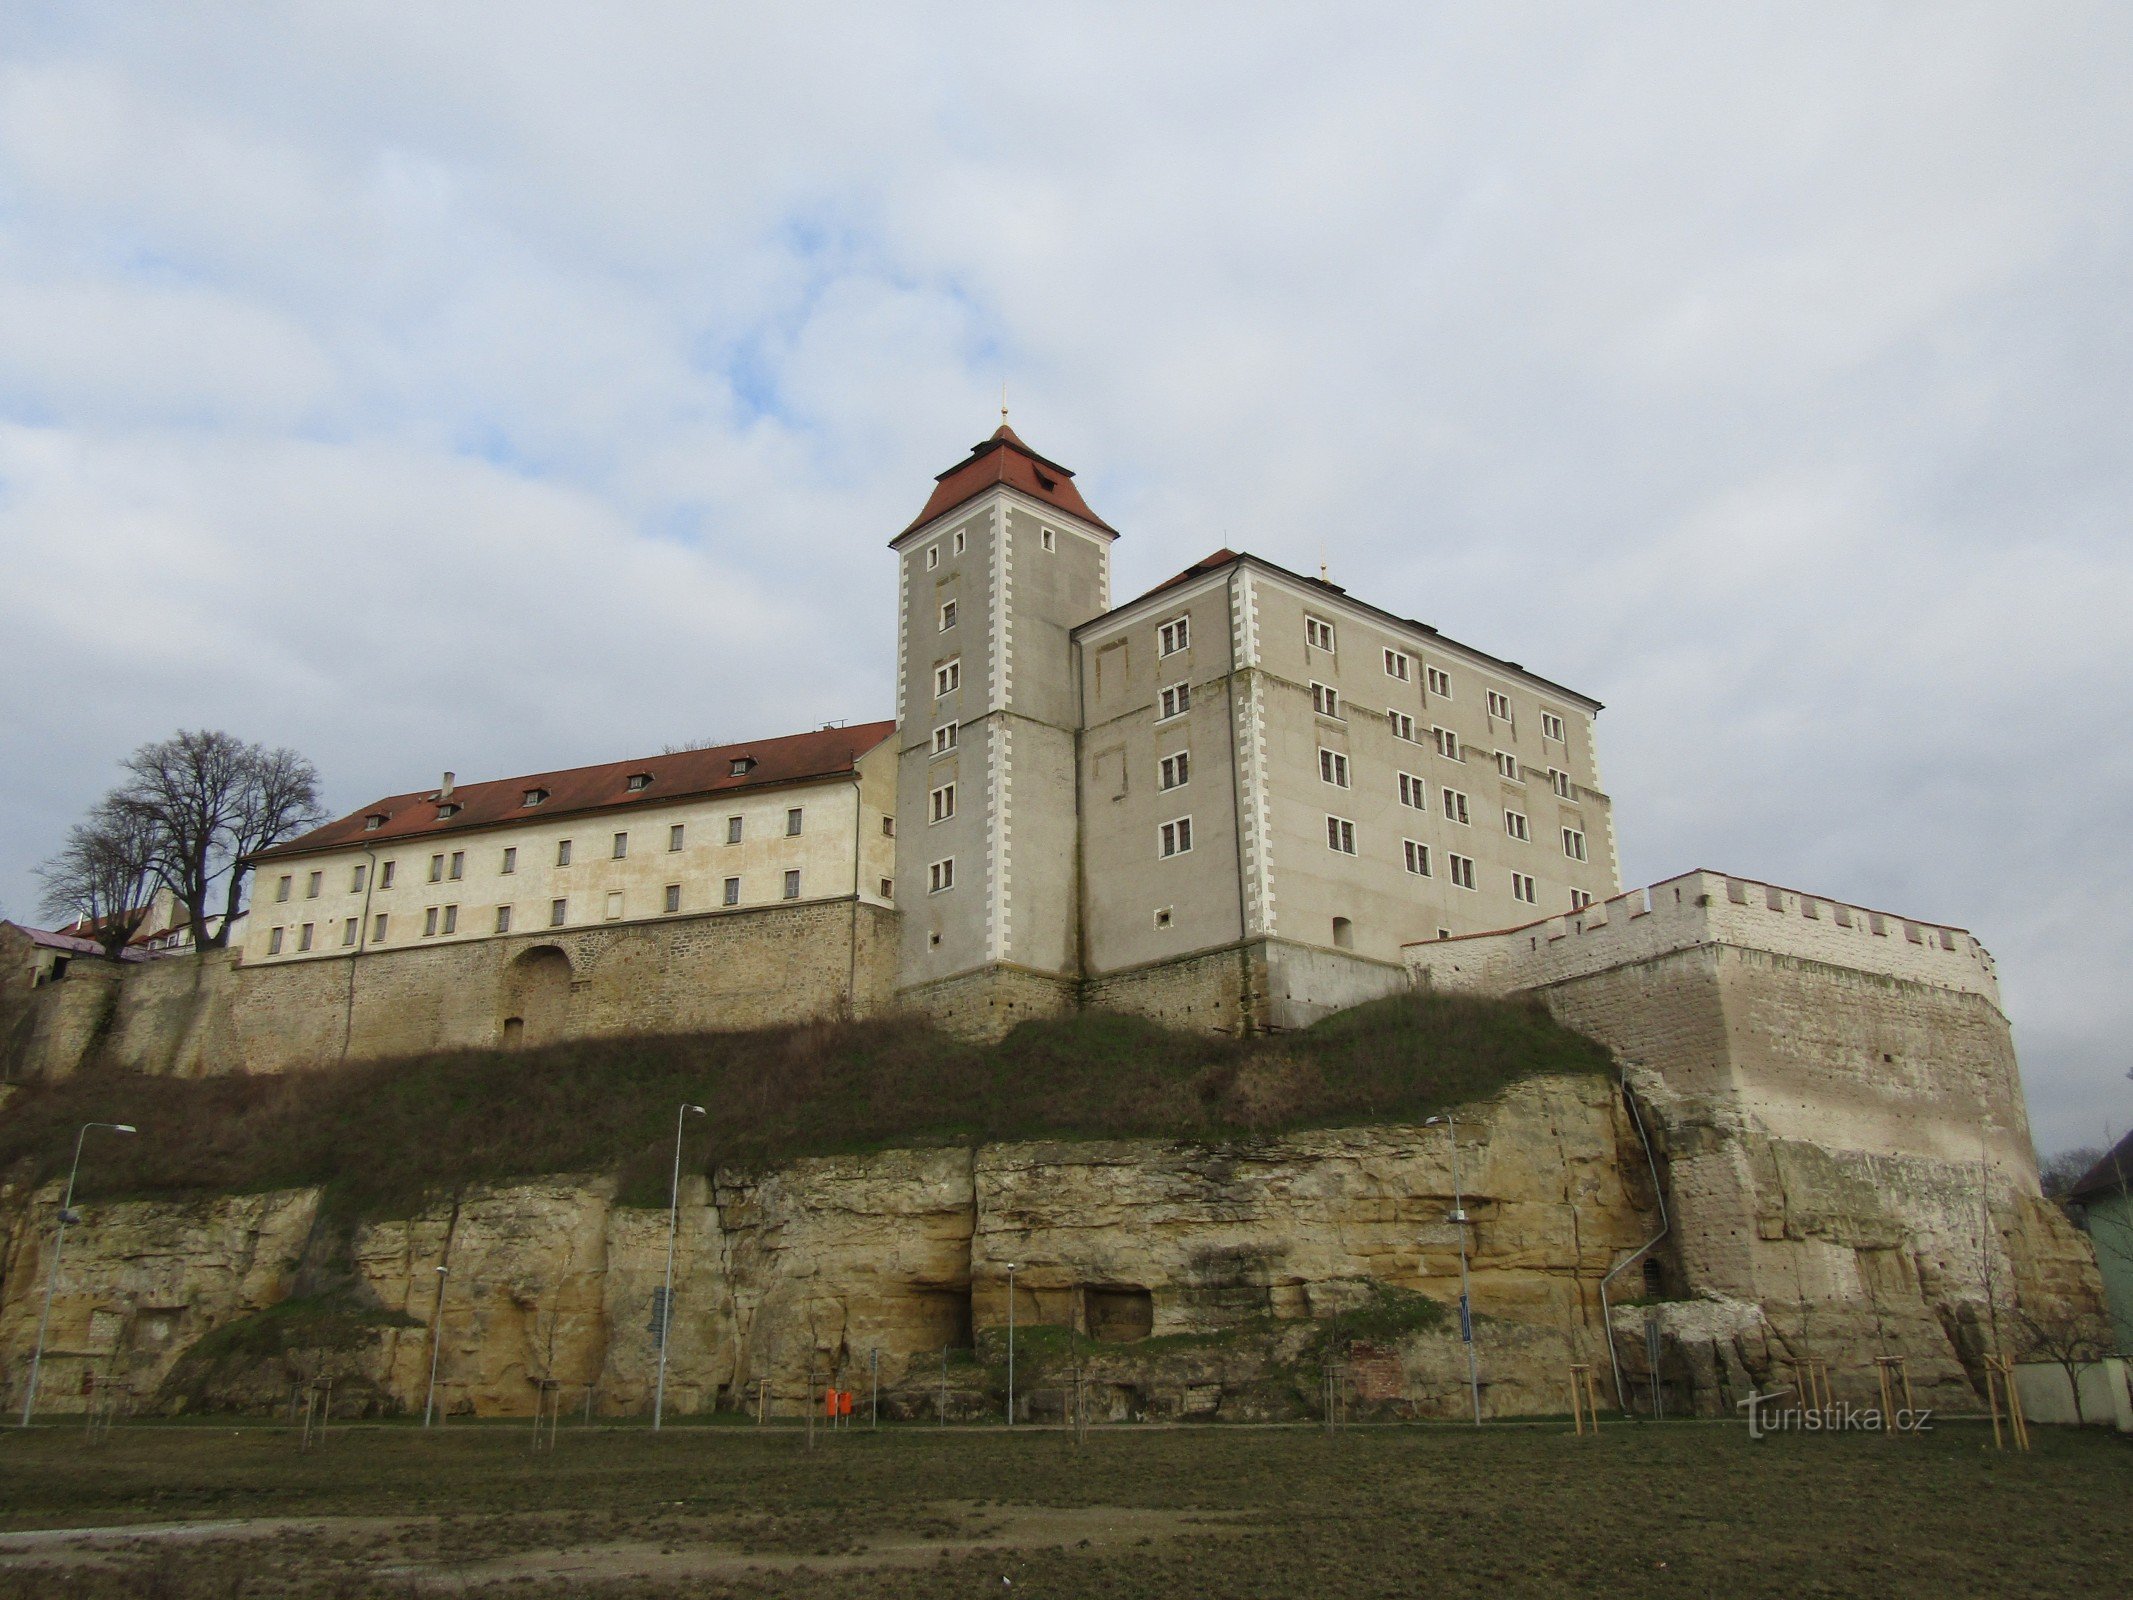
<point x="2103" y="1204"/>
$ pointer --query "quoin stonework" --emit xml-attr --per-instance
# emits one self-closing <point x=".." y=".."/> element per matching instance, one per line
<point x="1237" y="803"/>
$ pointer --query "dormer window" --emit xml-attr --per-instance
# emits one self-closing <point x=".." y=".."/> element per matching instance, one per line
<point x="534" y="797"/>
<point x="743" y="765"/>
<point x="373" y="822"/>
<point x="639" y="780"/>
<point x="450" y="808"/>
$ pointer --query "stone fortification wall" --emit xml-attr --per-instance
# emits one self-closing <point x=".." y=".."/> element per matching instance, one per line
<point x="209" y="1013"/>
<point x="1835" y="1097"/>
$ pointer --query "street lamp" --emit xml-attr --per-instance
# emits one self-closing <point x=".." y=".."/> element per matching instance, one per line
<point x="666" y="1300"/>
<point x="429" y="1400"/>
<point x="66" y="1215"/>
<point x="1010" y="1344"/>
<point x="1466" y="1305"/>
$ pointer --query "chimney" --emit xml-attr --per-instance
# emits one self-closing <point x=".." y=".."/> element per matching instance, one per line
<point x="445" y="793"/>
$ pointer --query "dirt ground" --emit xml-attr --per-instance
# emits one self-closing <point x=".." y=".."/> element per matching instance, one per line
<point x="1691" y="1508"/>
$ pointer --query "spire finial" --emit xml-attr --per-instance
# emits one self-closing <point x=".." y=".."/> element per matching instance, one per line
<point x="1003" y="402"/>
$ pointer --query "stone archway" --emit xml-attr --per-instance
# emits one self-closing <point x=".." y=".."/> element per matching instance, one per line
<point x="536" y="997"/>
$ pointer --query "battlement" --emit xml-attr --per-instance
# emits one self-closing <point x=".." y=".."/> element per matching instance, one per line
<point x="1706" y="908"/>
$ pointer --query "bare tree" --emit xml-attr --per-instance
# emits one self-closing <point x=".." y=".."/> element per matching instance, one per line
<point x="2062" y="1171"/>
<point x="211" y="801"/>
<point x="105" y="876"/>
<point x="2074" y="1336"/>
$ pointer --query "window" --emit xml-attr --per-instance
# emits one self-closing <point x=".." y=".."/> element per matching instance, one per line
<point x="947" y="615"/>
<point x="943" y="803"/>
<point x="373" y="822"/>
<point x="1522" y="887"/>
<point x="1574" y="844"/>
<point x="1499" y="706"/>
<point x="1318" y="633"/>
<point x="348" y="931"/>
<point x="1162" y="918"/>
<point x="1333" y="768"/>
<point x="510" y="859"/>
<point x="459" y="865"/>
<point x="451" y="919"/>
<point x="1176" y="701"/>
<point x="947" y="677"/>
<point x="449" y="809"/>
<point x="933" y="556"/>
<point x="503" y="919"/>
<point x="1174" y="838"/>
<point x="959" y="541"/>
<point x="1447" y="743"/>
<point x="1325" y="700"/>
<point x="1340" y="835"/>
<point x="1579" y="899"/>
<point x="1507" y="766"/>
<point x="429" y="923"/>
<point x="1403" y="726"/>
<point x="944" y="738"/>
<point x="1177" y="770"/>
<point x="673" y="897"/>
<point x="1397" y="665"/>
<point x="792" y="823"/>
<point x="303" y="937"/>
<point x="1173" y="636"/>
<point x="674" y="837"/>
<point x="940" y="875"/>
<point x="355" y="879"/>
<point x="888" y="827"/>
<point x="1462" y="868"/>
<point x="1413" y="792"/>
<point x="639" y="780"/>
<point x="281" y="889"/>
<point x="385" y="876"/>
<point x="733" y="892"/>
<point x="1514" y="823"/>
<point x="1048" y="537"/>
<point x="313" y="884"/>
<point x="888" y="888"/>
<point x="1559" y="781"/>
<point x="534" y="797"/>
<point x="741" y="767"/>
<point x="436" y="869"/>
<point x="1417" y="857"/>
<point x="733" y="830"/>
<point x="622" y="846"/>
<point x="1551" y="726"/>
<point x="274" y="943"/>
<point x="1454" y="806"/>
<point x="377" y="929"/>
<point x="558" y="913"/>
<point x="1439" y="683"/>
<point x="562" y="853"/>
<point x="614" y="905"/>
<point x="1343" y="933"/>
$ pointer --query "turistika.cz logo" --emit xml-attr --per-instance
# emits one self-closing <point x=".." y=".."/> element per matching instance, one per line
<point x="1767" y="1416"/>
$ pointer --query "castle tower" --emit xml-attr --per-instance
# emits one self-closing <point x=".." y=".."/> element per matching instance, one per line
<point x="1003" y="562"/>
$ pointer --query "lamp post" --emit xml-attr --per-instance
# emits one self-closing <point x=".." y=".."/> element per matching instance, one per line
<point x="1010" y="1344"/>
<point x="1466" y="1305"/>
<point x="59" y="1239"/>
<point x="429" y="1401"/>
<point x="666" y="1300"/>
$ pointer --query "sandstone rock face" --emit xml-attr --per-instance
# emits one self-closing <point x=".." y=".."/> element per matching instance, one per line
<point x="1154" y="1279"/>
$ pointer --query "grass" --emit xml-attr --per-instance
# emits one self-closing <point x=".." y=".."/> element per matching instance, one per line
<point x="1671" y="1509"/>
<point x="383" y="1137"/>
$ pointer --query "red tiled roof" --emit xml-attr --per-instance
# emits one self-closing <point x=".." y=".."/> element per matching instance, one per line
<point x="1006" y="459"/>
<point x="796" y="758"/>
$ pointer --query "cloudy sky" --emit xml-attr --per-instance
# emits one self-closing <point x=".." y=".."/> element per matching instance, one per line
<point x="500" y="388"/>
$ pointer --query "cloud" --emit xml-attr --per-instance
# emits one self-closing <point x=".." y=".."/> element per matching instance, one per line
<point x="427" y="390"/>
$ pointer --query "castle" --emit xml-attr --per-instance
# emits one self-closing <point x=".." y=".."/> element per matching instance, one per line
<point x="1229" y="803"/>
<point x="1236" y="803"/>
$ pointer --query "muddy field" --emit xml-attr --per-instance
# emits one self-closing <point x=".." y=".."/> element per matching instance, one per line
<point x="1690" y="1508"/>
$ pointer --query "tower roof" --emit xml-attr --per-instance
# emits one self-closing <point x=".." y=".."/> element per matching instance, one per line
<point x="1004" y="458"/>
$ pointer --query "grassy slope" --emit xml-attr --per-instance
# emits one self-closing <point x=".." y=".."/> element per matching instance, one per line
<point x="382" y="1135"/>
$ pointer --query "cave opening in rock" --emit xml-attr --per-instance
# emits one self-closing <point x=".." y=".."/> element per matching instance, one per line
<point x="1119" y="1314"/>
